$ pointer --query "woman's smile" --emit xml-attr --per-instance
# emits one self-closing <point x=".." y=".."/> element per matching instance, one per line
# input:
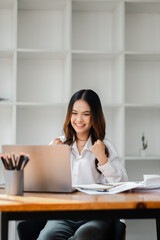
<point x="79" y="125"/>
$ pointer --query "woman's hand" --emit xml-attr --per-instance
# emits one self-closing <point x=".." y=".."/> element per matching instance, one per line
<point x="57" y="141"/>
<point x="98" y="149"/>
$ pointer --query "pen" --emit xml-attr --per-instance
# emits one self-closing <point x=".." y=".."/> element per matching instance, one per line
<point x="10" y="163"/>
<point x="14" y="160"/>
<point x="4" y="161"/>
<point x="21" y="159"/>
<point x="106" y="184"/>
<point x="96" y="190"/>
<point x="102" y="190"/>
<point x="26" y="159"/>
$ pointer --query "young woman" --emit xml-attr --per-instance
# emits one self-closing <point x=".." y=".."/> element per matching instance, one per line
<point x="94" y="159"/>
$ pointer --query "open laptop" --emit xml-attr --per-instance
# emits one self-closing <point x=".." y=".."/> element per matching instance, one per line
<point x="49" y="168"/>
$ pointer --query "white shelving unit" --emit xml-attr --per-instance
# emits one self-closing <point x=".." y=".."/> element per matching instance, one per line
<point x="142" y="82"/>
<point x="50" y="50"/>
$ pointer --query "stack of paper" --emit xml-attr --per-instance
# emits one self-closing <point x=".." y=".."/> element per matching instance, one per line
<point x="150" y="183"/>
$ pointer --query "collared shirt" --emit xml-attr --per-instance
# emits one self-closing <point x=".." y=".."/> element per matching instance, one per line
<point x="84" y="169"/>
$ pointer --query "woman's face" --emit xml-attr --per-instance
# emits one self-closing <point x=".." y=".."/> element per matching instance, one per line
<point x="81" y="119"/>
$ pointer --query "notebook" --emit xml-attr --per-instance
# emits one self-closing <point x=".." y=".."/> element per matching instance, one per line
<point x="49" y="167"/>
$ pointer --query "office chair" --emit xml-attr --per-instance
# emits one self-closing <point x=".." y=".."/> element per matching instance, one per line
<point x="119" y="230"/>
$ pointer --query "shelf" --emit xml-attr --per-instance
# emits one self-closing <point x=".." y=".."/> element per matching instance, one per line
<point x="104" y="23"/>
<point x="130" y="158"/>
<point x="41" y="54"/>
<point x="142" y="1"/>
<point x="95" y="6"/>
<point x="6" y="103"/>
<point x="40" y="105"/>
<point x="94" y="55"/>
<point x="142" y="106"/>
<point x="142" y="56"/>
<point x="143" y="7"/>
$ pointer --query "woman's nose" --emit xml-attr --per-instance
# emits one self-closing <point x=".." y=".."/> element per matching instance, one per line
<point x="79" y="117"/>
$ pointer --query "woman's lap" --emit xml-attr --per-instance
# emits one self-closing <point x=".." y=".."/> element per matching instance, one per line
<point x="94" y="230"/>
<point x="68" y="230"/>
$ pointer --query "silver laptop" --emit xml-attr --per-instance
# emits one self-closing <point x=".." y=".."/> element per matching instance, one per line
<point x="49" y="167"/>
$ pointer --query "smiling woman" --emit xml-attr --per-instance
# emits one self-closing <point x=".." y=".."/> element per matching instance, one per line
<point x="94" y="159"/>
<point x="85" y="103"/>
<point x="85" y="118"/>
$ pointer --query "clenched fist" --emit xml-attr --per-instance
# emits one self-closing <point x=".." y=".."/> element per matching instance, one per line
<point x="98" y="150"/>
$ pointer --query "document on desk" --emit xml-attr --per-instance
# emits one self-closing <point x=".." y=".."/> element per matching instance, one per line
<point x="110" y="188"/>
<point x="149" y="184"/>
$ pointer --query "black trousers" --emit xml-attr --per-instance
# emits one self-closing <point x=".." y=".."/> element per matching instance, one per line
<point x="66" y="230"/>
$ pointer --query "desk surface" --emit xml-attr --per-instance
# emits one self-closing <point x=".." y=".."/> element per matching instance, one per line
<point x="77" y="201"/>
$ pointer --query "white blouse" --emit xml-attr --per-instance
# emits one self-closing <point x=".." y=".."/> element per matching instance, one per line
<point x="84" y="169"/>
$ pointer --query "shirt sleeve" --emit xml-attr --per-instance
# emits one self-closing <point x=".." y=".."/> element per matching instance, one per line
<point x="113" y="170"/>
<point x="62" y="138"/>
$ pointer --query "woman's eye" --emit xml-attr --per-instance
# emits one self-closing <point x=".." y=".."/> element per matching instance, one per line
<point x="86" y="114"/>
<point x="74" y="113"/>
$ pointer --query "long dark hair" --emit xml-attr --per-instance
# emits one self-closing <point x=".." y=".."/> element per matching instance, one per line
<point x="98" y="121"/>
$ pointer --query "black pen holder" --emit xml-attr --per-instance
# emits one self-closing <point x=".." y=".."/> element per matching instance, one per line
<point x="14" y="182"/>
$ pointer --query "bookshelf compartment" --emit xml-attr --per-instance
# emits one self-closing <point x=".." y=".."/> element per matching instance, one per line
<point x="137" y="122"/>
<point x="136" y="171"/>
<point x="42" y="77"/>
<point x="142" y="24"/>
<point x="39" y="125"/>
<point x="142" y="83"/>
<point x="106" y="70"/>
<point x="97" y="26"/>
<point x="6" y="30"/>
<point x="43" y="26"/>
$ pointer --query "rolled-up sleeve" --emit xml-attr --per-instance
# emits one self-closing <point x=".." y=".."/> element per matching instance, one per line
<point x="113" y="170"/>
